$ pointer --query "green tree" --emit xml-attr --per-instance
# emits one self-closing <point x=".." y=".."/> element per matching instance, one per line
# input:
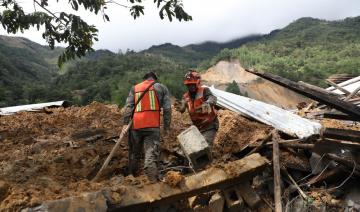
<point x="233" y="88"/>
<point x="70" y="28"/>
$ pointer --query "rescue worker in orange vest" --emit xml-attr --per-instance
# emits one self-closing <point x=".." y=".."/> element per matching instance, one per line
<point x="200" y="102"/>
<point x="144" y="136"/>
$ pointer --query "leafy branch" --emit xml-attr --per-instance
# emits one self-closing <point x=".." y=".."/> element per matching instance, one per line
<point x="71" y="29"/>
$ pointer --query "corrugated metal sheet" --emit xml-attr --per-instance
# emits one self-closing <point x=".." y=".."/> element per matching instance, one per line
<point x="32" y="107"/>
<point x="349" y="85"/>
<point x="279" y="118"/>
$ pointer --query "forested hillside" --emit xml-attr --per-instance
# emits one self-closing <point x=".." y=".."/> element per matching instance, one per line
<point x="29" y="71"/>
<point x="194" y="54"/>
<point x="308" y="49"/>
<point x="24" y="64"/>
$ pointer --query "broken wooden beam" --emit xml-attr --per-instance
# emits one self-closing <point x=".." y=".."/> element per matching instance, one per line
<point x="134" y="198"/>
<point x="339" y="115"/>
<point x="341" y="134"/>
<point x="317" y="95"/>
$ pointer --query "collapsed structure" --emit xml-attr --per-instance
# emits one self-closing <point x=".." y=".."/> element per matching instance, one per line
<point x="50" y="156"/>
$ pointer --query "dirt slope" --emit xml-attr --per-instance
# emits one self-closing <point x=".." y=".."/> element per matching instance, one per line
<point x="225" y="72"/>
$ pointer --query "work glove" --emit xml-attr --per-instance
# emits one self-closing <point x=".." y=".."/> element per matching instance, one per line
<point x="206" y="107"/>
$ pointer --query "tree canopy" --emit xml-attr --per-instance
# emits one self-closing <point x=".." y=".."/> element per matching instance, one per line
<point x="70" y="28"/>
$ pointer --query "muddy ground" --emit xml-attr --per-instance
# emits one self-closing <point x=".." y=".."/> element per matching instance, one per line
<point x="55" y="154"/>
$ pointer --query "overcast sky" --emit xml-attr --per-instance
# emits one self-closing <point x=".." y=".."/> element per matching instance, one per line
<point x="212" y="20"/>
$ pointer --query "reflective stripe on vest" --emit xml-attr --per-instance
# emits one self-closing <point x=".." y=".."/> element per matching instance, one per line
<point x="199" y="119"/>
<point x="147" y="111"/>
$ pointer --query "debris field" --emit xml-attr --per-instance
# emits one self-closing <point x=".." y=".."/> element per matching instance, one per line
<point x="55" y="154"/>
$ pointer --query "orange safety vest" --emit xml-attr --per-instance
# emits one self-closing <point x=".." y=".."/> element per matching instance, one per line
<point x="147" y="112"/>
<point x="199" y="119"/>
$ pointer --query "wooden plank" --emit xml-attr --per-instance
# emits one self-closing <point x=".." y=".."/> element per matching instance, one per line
<point x="317" y="95"/>
<point x="352" y="94"/>
<point x="276" y="166"/>
<point x="346" y="92"/>
<point x="139" y="199"/>
<point x="339" y="115"/>
<point x="341" y="134"/>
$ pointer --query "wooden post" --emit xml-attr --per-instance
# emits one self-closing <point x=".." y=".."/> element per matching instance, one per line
<point x="276" y="166"/>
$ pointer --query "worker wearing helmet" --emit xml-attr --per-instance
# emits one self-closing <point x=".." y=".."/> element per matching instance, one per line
<point x="200" y="102"/>
<point x="144" y="136"/>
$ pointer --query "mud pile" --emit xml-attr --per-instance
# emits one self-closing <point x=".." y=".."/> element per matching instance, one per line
<point x="52" y="155"/>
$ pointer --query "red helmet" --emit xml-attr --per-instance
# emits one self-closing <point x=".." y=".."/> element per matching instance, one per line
<point x="192" y="77"/>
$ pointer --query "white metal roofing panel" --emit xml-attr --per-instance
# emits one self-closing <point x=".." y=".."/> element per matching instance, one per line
<point x="32" y="107"/>
<point x="279" y="118"/>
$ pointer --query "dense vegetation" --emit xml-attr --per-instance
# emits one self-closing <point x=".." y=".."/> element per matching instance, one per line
<point x="24" y="64"/>
<point x="308" y="49"/>
<point x="233" y="88"/>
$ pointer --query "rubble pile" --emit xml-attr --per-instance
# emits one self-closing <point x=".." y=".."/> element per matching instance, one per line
<point x="55" y="153"/>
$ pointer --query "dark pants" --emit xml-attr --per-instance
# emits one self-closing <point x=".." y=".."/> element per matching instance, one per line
<point x="147" y="142"/>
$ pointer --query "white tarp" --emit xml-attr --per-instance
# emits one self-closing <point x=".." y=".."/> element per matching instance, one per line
<point x="32" y="107"/>
<point x="279" y="118"/>
<point x="349" y="85"/>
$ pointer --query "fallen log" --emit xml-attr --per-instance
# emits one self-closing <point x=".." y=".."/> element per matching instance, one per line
<point x="317" y="95"/>
<point x="134" y="198"/>
<point x="316" y="88"/>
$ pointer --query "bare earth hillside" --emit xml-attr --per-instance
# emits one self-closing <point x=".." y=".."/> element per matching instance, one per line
<point x="225" y="72"/>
